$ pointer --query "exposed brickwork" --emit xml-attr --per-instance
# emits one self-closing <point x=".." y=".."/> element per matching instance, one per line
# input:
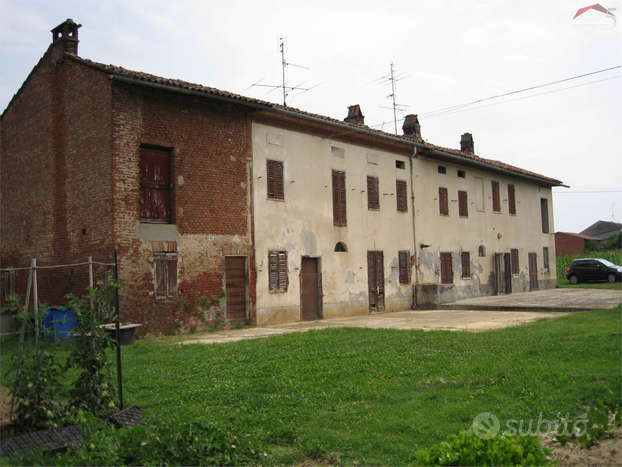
<point x="571" y="244"/>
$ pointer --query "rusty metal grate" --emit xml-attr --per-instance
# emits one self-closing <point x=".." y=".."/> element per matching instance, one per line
<point x="56" y="440"/>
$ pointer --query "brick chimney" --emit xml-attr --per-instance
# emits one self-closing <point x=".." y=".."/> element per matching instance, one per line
<point x="355" y="115"/>
<point x="411" y="126"/>
<point x="65" y="39"/>
<point x="466" y="143"/>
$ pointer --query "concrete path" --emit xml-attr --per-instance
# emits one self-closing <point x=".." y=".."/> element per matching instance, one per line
<point x="487" y="317"/>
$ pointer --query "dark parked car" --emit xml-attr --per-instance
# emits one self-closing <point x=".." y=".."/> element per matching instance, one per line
<point x="593" y="269"/>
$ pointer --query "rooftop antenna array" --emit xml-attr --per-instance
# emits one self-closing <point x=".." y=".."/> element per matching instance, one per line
<point x="282" y="40"/>
<point x="393" y="78"/>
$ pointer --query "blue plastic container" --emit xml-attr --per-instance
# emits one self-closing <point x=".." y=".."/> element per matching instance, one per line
<point x="64" y="321"/>
<point x="48" y="324"/>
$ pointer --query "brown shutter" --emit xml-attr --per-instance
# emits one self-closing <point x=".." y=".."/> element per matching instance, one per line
<point x="371" y="279"/>
<point x="402" y="196"/>
<point x="380" y="280"/>
<point x="155" y="185"/>
<point x="447" y="274"/>
<point x="342" y="199"/>
<point x="512" y="199"/>
<point x="373" y="195"/>
<point x="463" y="204"/>
<point x="443" y="203"/>
<point x="496" y="202"/>
<point x="515" y="265"/>
<point x="404" y="264"/>
<point x="274" y="275"/>
<point x="466" y="264"/>
<point x="160" y="276"/>
<point x="280" y="193"/>
<point x="171" y="274"/>
<point x="271" y="178"/>
<point x="282" y="270"/>
<point x="339" y="199"/>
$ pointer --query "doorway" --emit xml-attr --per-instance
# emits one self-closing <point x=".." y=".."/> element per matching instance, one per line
<point x="310" y="289"/>
<point x="503" y="273"/>
<point x="533" y="271"/>
<point x="236" y="287"/>
<point x="375" y="279"/>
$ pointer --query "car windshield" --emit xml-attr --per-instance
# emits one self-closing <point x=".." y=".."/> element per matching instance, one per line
<point x="609" y="264"/>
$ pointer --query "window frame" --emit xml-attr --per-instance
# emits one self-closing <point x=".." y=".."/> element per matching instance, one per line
<point x="463" y="203"/>
<point x="404" y="266"/>
<point x="278" y="277"/>
<point x="340" y="218"/>
<point x="446" y="270"/>
<point x="275" y="180"/>
<point x="373" y="193"/>
<point x="465" y="260"/>
<point x="149" y="188"/>
<point x="401" y="188"/>
<point x="170" y="279"/>
<point x="545" y="259"/>
<point x="544" y="213"/>
<point x="515" y="261"/>
<point x="496" y="196"/>
<point x="443" y="201"/>
<point x="512" y="199"/>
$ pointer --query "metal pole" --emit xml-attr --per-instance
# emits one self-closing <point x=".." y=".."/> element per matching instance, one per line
<point x="91" y="283"/>
<point x="116" y="305"/>
<point x="35" y="298"/>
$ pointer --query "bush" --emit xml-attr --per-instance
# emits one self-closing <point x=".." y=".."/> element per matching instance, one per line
<point x="467" y="449"/>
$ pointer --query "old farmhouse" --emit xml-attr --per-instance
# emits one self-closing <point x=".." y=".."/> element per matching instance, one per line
<point x="223" y="205"/>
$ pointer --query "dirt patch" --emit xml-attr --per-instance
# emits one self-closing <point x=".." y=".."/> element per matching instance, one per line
<point x="607" y="453"/>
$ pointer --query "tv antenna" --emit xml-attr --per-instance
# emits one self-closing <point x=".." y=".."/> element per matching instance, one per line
<point x="393" y="78"/>
<point x="282" y="40"/>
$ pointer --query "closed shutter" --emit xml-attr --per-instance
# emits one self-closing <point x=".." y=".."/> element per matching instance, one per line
<point x="402" y="196"/>
<point x="373" y="195"/>
<point x="380" y="280"/>
<point x="171" y="274"/>
<point x="496" y="202"/>
<point x="339" y="199"/>
<point x="404" y="264"/>
<point x="466" y="264"/>
<point x="275" y="180"/>
<point x="515" y="265"/>
<point x="278" y="270"/>
<point x="274" y="274"/>
<point x="443" y="203"/>
<point x="160" y="275"/>
<point x="282" y="270"/>
<point x="463" y="204"/>
<point x="371" y="280"/>
<point x="447" y="274"/>
<point x="155" y="185"/>
<point x="512" y="199"/>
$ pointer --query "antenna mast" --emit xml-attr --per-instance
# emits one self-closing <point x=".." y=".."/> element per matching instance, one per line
<point x="393" y="97"/>
<point x="284" y="63"/>
<point x="393" y="78"/>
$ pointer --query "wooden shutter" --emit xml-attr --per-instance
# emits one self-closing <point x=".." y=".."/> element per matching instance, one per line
<point x="447" y="273"/>
<point x="274" y="274"/>
<point x="283" y="270"/>
<point x="515" y="265"/>
<point x="171" y="274"/>
<point x="380" y="280"/>
<point x="275" y="180"/>
<point x="512" y="199"/>
<point x="466" y="264"/>
<point x="443" y="202"/>
<point x="404" y="264"/>
<point x="155" y="185"/>
<point x="339" y="199"/>
<point x="496" y="202"/>
<point x="371" y="280"/>
<point x="373" y="195"/>
<point x="463" y="204"/>
<point x="278" y="270"/>
<point x="402" y="196"/>
<point x="159" y="275"/>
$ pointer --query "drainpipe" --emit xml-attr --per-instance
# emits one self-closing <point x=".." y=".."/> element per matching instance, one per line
<point x="412" y="192"/>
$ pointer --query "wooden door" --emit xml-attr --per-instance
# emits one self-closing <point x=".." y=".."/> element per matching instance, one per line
<point x="533" y="271"/>
<point x="507" y="259"/>
<point x="310" y="289"/>
<point x="236" y="288"/>
<point x="499" y="267"/>
<point x="375" y="278"/>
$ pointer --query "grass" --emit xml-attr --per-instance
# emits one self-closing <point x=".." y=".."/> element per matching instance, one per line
<point x="366" y="396"/>
<point x="563" y="283"/>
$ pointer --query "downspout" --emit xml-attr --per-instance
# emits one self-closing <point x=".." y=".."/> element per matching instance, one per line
<point x="412" y="197"/>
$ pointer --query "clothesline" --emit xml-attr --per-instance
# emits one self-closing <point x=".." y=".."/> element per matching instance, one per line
<point x="58" y="266"/>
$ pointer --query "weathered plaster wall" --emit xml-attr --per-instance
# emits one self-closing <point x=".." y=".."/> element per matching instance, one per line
<point x="302" y="224"/>
<point x="497" y="232"/>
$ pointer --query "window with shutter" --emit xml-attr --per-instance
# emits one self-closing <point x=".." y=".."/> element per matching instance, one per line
<point x="511" y="199"/>
<point x="514" y="260"/>
<point x="275" y="180"/>
<point x="339" y="199"/>
<point x="496" y="201"/>
<point x="373" y="196"/>
<point x="463" y="204"/>
<point x="443" y="202"/>
<point x="447" y="273"/>
<point x="466" y="265"/>
<point x="278" y="270"/>
<point x="155" y="186"/>
<point x="165" y="275"/>
<point x="404" y="264"/>
<point x="402" y="196"/>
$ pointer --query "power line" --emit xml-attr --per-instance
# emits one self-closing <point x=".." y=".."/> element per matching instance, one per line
<point x="582" y="192"/>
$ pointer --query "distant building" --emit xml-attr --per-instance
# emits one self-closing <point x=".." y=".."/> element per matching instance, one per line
<point x="603" y="229"/>
<point x="571" y="243"/>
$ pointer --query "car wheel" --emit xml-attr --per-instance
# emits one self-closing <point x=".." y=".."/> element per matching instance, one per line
<point x="611" y="277"/>
<point x="574" y="279"/>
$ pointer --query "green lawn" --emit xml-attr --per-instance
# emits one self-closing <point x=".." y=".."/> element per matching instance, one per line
<point x="366" y="396"/>
<point x="563" y="283"/>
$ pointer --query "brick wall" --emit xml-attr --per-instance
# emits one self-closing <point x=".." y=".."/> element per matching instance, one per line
<point x="568" y="244"/>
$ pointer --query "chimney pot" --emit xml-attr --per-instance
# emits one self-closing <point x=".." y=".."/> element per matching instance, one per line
<point x="65" y="35"/>
<point x="466" y="143"/>
<point x="411" y="126"/>
<point x="355" y="115"/>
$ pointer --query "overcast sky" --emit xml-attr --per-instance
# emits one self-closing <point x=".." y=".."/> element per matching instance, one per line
<point x="447" y="52"/>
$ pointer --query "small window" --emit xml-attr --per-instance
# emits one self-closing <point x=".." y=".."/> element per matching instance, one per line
<point x="496" y="201"/>
<point x="511" y="199"/>
<point x="404" y="263"/>
<point x="400" y="165"/>
<point x="466" y="265"/>
<point x="339" y="199"/>
<point x="443" y="202"/>
<point x="481" y="251"/>
<point x="514" y="260"/>
<point x="275" y="180"/>
<point x="373" y="195"/>
<point x="463" y="204"/>
<point x="447" y="273"/>
<point x="341" y="247"/>
<point x="165" y="274"/>
<point x="544" y="210"/>
<point x="545" y="258"/>
<point x="278" y="271"/>
<point x="402" y="196"/>
<point x="461" y="174"/>
<point x="338" y="152"/>
<point x="155" y="186"/>
<point x="442" y="170"/>
<point x="8" y="284"/>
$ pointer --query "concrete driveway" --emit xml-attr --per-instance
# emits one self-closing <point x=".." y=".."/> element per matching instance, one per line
<point x="488" y="317"/>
